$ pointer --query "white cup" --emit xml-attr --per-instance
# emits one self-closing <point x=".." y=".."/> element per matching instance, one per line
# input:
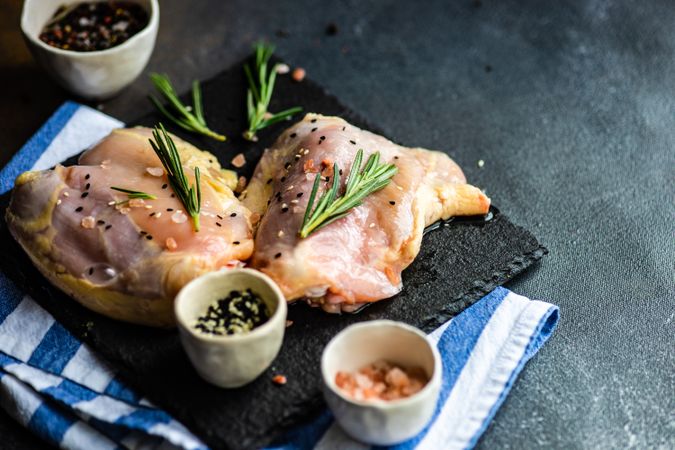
<point x="230" y="360"/>
<point x="376" y="421"/>
<point x="93" y="75"/>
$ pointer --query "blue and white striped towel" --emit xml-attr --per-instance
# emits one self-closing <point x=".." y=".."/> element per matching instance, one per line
<point x="61" y="390"/>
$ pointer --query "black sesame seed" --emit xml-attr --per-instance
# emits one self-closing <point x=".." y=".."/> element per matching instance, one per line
<point x="395" y="157"/>
<point x="91" y="271"/>
<point x="297" y="157"/>
<point x="340" y="172"/>
<point x="299" y="194"/>
<point x="219" y="216"/>
<point x="233" y="215"/>
<point x="169" y="209"/>
<point x="287" y="166"/>
<point x="100" y="222"/>
<point x="164" y="186"/>
<point x="149" y="237"/>
<point x="87" y="186"/>
<point x="327" y="179"/>
<point x="152" y="214"/>
<point x="143" y="233"/>
<point x="218" y="223"/>
<point x="391" y="202"/>
<point x="293" y="135"/>
<point x="269" y="201"/>
<point x="236" y="242"/>
<point x="313" y="120"/>
<point x="87" y="176"/>
<point x="284" y="209"/>
<point x="84" y="194"/>
<point x="269" y="181"/>
<point x="352" y="142"/>
<point x="283" y="179"/>
<point x="107" y="227"/>
<point x="277" y="256"/>
<point x="314" y="129"/>
<point x="320" y="142"/>
<point x="78" y="209"/>
<point x="331" y="29"/>
<point x="173" y="195"/>
<point x="343" y="128"/>
<point x="322" y="137"/>
<point x="210" y="160"/>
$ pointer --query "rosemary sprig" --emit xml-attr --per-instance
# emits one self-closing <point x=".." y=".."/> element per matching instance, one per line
<point x="186" y="117"/>
<point x="361" y="183"/>
<point x="190" y="196"/>
<point x="260" y="91"/>
<point x="131" y="194"/>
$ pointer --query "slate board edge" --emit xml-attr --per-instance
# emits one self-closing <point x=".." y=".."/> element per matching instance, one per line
<point x="485" y="286"/>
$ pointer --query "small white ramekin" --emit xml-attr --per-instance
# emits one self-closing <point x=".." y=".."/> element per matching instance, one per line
<point x="232" y="360"/>
<point x="381" y="422"/>
<point x="92" y="75"/>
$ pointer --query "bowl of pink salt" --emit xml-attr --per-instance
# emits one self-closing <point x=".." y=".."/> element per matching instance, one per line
<point x="381" y="381"/>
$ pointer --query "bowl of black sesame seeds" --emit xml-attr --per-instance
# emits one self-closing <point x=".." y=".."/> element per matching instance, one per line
<point x="92" y="48"/>
<point x="231" y="324"/>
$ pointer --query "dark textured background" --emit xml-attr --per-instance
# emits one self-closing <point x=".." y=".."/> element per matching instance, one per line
<point x="572" y="107"/>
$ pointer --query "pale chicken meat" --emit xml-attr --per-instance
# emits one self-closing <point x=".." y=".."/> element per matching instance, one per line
<point x="359" y="258"/>
<point x="127" y="258"/>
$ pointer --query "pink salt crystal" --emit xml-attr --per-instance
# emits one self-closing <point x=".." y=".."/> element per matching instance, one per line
<point x="239" y="160"/>
<point x="241" y="184"/>
<point x="363" y="381"/>
<point x="171" y="243"/>
<point x="178" y="217"/>
<point x="282" y="69"/>
<point x="397" y="377"/>
<point x="155" y="171"/>
<point x="88" y="222"/>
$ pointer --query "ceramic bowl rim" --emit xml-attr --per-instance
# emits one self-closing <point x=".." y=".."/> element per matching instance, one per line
<point x="258" y="331"/>
<point x="433" y="383"/>
<point x="151" y="27"/>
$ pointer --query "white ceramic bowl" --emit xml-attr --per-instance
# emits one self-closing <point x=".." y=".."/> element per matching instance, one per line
<point x="232" y="360"/>
<point x="381" y="422"/>
<point x="92" y="75"/>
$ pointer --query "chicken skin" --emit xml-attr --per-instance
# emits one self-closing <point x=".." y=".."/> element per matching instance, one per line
<point x="126" y="258"/>
<point x="358" y="258"/>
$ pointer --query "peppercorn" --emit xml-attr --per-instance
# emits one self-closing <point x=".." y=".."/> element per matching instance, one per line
<point x="94" y="26"/>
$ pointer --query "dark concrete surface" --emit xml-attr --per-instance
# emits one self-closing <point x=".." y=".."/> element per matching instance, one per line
<point x="572" y="107"/>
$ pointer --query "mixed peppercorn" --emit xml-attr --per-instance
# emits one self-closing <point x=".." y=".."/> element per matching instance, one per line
<point x="93" y="26"/>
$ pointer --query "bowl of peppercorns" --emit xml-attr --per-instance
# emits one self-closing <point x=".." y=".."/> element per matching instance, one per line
<point x="94" y="48"/>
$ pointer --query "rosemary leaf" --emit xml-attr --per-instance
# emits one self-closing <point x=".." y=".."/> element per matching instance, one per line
<point x="360" y="183"/>
<point x="259" y="94"/>
<point x="134" y="194"/>
<point x="188" y="118"/>
<point x="190" y="196"/>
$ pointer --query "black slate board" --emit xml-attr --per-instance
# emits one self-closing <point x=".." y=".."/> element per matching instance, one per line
<point x="458" y="264"/>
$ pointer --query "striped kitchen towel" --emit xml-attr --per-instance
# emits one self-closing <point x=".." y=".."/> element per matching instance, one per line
<point x="61" y="390"/>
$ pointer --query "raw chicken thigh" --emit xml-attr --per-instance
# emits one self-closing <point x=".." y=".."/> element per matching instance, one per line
<point x="127" y="258"/>
<point x="359" y="258"/>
